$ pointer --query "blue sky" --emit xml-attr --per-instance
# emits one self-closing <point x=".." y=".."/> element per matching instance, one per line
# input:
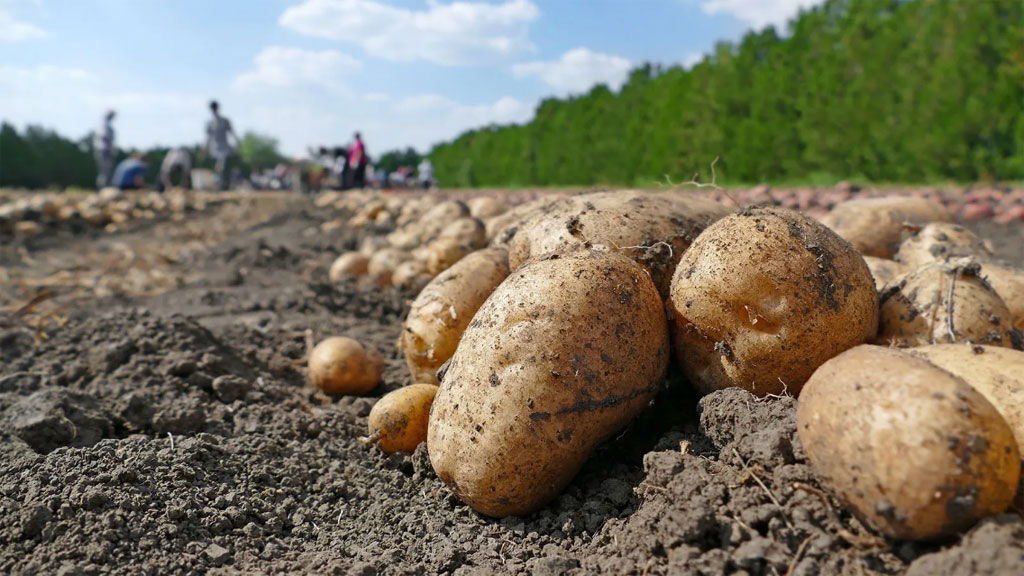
<point x="310" y="72"/>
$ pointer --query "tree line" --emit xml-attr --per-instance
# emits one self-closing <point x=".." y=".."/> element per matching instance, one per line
<point x="880" y="90"/>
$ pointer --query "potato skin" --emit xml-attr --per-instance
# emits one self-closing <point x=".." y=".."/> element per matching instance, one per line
<point x="937" y="242"/>
<point x="652" y="228"/>
<point x="884" y="271"/>
<point x="1009" y="283"/>
<point x="875" y="225"/>
<point x="341" y="365"/>
<point x="913" y="450"/>
<point x="442" y="310"/>
<point x="764" y="297"/>
<point x="349" y="264"/>
<point x="399" y="419"/>
<point x="568" y="350"/>
<point x="918" y="311"/>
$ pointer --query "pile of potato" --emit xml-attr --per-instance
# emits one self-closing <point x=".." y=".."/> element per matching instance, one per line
<point x="109" y="209"/>
<point x="544" y="329"/>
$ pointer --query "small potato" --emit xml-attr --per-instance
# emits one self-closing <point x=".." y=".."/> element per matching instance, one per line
<point x="945" y="303"/>
<point x="484" y="207"/>
<point x="1009" y="283"/>
<point x="398" y="421"/>
<point x="996" y="372"/>
<point x="884" y="271"/>
<point x="439" y="217"/>
<point x="348" y="265"/>
<point x="383" y="264"/>
<point x="937" y="242"/>
<point x="913" y="450"/>
<point x="764" y="297"/>
<point x="411" y="274"/>
<point x="371" y="244"/>
<point x="467" y="231"/>
<point x="444" y="253"/>
<point x="875" y="225"/>
<point x="502" y="227"/>
<point x="442" y="310"/>
<point x="565" y="353"/>
<point x="340" y="365"/>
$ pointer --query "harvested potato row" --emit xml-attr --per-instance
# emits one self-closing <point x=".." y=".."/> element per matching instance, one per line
<point x="875" y="225"/>
<point x="652" y="228"/>
<point x="764" y="297"/>
<point x="398" y="421"/>
<point x="945" y="303"/>
<point x="442" y="310"/>
<point x="911" y="449"/>
<point x="884" y="271"/>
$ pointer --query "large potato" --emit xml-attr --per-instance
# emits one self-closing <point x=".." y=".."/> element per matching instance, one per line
<point x="937" y="242"/>
<point x="912" y="449"/>
<point x="1009" y="284"/>
<point x="875" y="225"/>
<point x="945" y="303"/>
<point x="467" y="231"/>
<point x="443" y="309"/>
<point x="764" y="297"/>
<point x="998" y="373"/>
<point x="652" y="228"/>
<point x="566" y="351"/>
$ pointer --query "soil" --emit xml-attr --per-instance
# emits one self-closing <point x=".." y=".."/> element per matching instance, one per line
<point x="163" y="425"/>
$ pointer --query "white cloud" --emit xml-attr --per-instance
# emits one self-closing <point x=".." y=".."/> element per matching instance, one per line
<point x="12" y="30"/>
<point x="426" y="119"/>
<point x="456" y="33"/>
<point x="578" y="70"/>
<point x="758" y="13"/>
<point x="692" y="59"/>
<point x="282" y="67"/>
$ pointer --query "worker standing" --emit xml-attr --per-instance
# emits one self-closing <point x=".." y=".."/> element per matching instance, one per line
<point x="219" y="146"/>
<point x="104" y="151"/>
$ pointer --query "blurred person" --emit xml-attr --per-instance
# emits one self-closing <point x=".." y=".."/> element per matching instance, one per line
<point x="218" y="145"/>
<point x="130" y="173"/>
<point x="178" y="159"/>
<point x="341" y="166"/>
<point x="104" y="151"/>
<point x="426" y="173"/>
<point x="357" y="161"/>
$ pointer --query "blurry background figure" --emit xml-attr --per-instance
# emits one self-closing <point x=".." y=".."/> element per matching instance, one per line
<point x="103" y="150"/>
<point x="357" y="162"/>
<point x="130" y="173"/>
<point x="426" y="173"/>
<point x="177" y="160"/>
<point x="340" y="169"/>
<point x="218" y="145"/>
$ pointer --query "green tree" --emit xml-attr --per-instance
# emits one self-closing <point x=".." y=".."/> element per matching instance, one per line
<point x="258" y="151"/>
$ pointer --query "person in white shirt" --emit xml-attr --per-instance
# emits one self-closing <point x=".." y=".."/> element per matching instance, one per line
<point x="104" y="151"/>
<point x="176" y="159"/>
<point x="426" y="173"/>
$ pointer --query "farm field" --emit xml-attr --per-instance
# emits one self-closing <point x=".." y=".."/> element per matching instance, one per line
<point x="156" y="415"/>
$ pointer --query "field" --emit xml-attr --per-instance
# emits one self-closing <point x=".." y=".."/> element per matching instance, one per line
<point x="155" y="418"/>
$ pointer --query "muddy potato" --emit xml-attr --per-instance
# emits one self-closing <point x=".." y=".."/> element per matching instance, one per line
<point x="884" y="271"/>
<point x="340" y="365"/>
<point x="996" y="372"/>
<point x="467" y="231"/>
<point x="567" y="351"/>
<point x="484" y="207"/>
<point x="442" y="310"/>
<point x="912" y="449"/>
<point x="382" y="264"/>
<point x="348" y="265"/>
<point x="1009" y="284"/>
<point x="937" y="242"/>
<point x="875" y="225"/>
<point x="653" y="228"/>
<point x="398" y="421"/>
<point x="764" y="297"/>
<point x="945" y="303"/>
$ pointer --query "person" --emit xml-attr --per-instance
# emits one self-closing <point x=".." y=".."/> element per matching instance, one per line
<point x="357" y="161"/>
<point x="178" y="159"/>
<point x="130" y="174"/>
<point x="340" y="168"/>
<point x="426" y="173"/>
<point x="218" y="145"/>
<point x="103" y="150"/>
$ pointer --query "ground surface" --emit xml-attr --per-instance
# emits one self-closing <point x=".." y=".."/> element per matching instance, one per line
<point x="155" y="420"/>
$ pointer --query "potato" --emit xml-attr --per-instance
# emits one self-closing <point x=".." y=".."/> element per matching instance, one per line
<point x="913" y="450"/>
<point x="937" y="242"/>
<point x="467" y="231"/>
<point x="398" y="421"/>
<point x="945" y="303"/>
<point x="567" y="351"/>
<point x="443" y="253"/>
<point x="442" y="310"/>
<point x="884" y="271"/>
<point x="653" y="228"/>
<point x="440" y="216"/>
<point x="371" y="244"/>
<point x="340" y="365"/>
<point x="411" y="274"/>
<point x="875" y="225"/>
<point x="1009" y="284"/>
<point x="996" y="372"/>
<point x="764" y="297"/>
<point x="382" y="264"/>
<point x="502" y="227"/>
<point x="349" y="264"/>
<point x="484" y="207"/>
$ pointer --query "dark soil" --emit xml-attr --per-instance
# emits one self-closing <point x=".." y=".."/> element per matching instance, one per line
<point x="175" y="434"/>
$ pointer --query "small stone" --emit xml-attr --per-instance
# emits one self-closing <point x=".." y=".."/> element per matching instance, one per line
<point x="217" y="554"/>
<point x="230" y="388"/>
<point x="34" y="519"/>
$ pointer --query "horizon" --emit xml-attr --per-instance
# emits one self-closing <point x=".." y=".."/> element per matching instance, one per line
<point x="405" y="73"/>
